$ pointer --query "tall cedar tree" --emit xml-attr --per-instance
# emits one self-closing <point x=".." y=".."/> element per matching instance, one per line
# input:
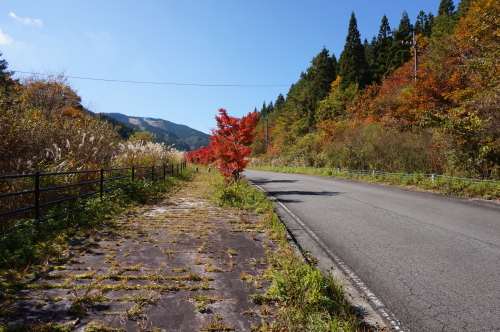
<point x="230" y="142"/>
<point x="400" y="51"/>
<point x="279" y="102"/>
<point x="270" y="107"/>
<point x="382" y="50"/>
<point x="445" y="23"/>
<point x="297" y="108"/>
<point x="424" y="23"/>
<point x="463" y="7"/>
<point x="446" y="7"/>
<point x="320" y="75"/>
<point x="263" y="110"/>
<point x="304" y="96"/>
<point x="353" y="65"/>
<point x="443" y="32"/>
<point x="371" y="54"/>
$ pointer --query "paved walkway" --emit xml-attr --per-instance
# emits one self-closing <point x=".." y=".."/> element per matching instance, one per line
<point x="181" y="265"/>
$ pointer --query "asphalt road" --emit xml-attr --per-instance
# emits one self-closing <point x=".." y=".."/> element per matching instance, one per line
<point x="433" y="261"/>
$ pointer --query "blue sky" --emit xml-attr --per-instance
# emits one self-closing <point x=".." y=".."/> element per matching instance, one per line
<point x="208" y="42"/>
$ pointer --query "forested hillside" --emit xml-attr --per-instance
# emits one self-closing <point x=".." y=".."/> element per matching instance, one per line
<point x="370" y="109"/>
<point x="180" y="136"/>
<point x="45" y="128"/>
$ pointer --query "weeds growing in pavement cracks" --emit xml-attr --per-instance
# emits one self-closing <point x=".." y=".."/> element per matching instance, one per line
<point x="287" y="294"/>
<point x="307" y="299"/>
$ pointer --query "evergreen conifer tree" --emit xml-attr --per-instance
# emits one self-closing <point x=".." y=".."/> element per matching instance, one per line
<point x="335" y="64"/>
<point x="424" y="23"/>
<point x="270" y="108"/>
<point x="371" y="55"/>
<point x="382" y="50"/>
<point x="263" y="110"/>
<point x="444" y="26"/>
<point x="463" y="7"/>
<point x="446" y="7"/>
<point x="279" y="102"/>
<point x="4" y="73"/>
<point x="321" y="74"/>
<point x="353" y="66"/>
<point x="400" y="51"/>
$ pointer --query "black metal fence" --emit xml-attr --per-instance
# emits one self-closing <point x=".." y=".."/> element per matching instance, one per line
<point x="33" y="196"/>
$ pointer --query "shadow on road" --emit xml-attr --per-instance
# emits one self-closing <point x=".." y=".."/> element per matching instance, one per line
<point x="280" y="194"/>
<point x="264" y="181"/>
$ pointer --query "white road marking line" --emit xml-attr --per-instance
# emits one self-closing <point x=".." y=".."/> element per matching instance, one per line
<point x="379" y="306"/>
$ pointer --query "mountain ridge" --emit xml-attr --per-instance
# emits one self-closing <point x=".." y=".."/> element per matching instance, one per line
<point x="180" y="136"/>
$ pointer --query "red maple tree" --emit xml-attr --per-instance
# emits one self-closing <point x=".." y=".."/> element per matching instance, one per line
<point x="203" y="156"/>
<point x="230" y="142"/>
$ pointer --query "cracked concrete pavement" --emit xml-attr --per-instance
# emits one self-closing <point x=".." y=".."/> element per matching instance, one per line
<point x="181" y="265"/>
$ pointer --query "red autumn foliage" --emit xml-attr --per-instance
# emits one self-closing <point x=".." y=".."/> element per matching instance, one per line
<point x="230" y="142"/>
<point x="203" y="156"/>
<point x="229" y="145"/>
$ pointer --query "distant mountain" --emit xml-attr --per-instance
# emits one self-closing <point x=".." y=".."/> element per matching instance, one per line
<point x="125" y="131"/>
<point x="181" y="137"/>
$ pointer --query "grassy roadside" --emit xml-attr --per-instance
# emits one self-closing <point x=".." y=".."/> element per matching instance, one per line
<point x="308" y="300"/>
<point x="453" y="187"/>
<point x="300" y="297"/>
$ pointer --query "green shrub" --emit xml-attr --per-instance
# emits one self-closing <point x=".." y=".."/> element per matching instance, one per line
<point x="240" y="195"/>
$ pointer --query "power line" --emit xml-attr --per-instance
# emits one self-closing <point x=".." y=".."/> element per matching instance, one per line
<point x="162" y="83"/>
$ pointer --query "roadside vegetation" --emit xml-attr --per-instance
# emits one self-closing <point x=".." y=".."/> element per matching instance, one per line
<point x="307" y="298"/>
<point x="286" y="292"/>
<point x="442" y="185"/>
<point x="37" y="244"/>
<point x="369" y="109"/>
<point x="373" y="109"/>
<point x="45" y="128"/>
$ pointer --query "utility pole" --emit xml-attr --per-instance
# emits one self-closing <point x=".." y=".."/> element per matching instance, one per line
<point x="267" y="132"/>
<point x="414" y="44"/>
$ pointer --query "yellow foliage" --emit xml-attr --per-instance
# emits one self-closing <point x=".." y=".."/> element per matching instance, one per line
<point x="42" y="127"/>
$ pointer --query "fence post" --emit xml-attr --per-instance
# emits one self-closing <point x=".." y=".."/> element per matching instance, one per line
<point x="164" y="171"/>
<point x="37" y="195"/>
<point x="172" y="170"/>
<point x="432" y="177"/>
<point x="133" y="171"/>
<point x="102" y="183"/>
<point x="153" y="172"/>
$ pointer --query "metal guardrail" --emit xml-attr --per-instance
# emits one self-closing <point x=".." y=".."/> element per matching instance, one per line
<point x="44" y="194"/>
<point x="375" y="173"/>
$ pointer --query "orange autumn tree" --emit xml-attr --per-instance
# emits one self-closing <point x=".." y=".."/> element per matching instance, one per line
<point x="230" y="142"/>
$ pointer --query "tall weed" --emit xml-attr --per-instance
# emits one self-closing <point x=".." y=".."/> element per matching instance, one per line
<point x="239" y="195"/>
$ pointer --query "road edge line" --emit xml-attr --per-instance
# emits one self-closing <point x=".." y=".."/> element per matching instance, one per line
<point x="373" y="306"/>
